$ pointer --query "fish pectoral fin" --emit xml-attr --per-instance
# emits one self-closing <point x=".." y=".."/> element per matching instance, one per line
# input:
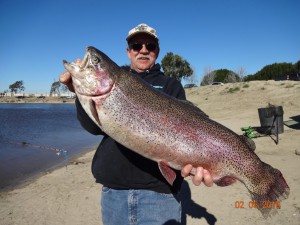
<point x="225" y="181"/>
<point x="94" y="111"/>
<point x="168" y="173"/>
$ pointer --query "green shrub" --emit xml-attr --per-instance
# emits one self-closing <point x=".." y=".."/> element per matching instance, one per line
<point x="232" y="90"/>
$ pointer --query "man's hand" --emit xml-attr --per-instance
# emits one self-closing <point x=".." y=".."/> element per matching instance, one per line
<point x="202" y="175"/>
<point x="66" y="78"/>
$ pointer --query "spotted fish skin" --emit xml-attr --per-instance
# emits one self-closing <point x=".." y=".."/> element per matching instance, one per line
<point x="169" y="131"/>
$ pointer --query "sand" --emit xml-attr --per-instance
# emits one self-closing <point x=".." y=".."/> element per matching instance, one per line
<point x="70" y="195"/>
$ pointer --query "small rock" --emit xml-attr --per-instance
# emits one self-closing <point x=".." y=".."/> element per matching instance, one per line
<point x="297" y="151"/>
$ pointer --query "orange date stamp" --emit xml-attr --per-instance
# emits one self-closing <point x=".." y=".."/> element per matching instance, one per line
<point x="255" y="205"/>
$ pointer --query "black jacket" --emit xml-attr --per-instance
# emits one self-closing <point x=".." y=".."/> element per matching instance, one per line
<point x="117" y="167"/>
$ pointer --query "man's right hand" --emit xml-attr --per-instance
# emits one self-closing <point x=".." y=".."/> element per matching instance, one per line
<point x="66" y="78"/>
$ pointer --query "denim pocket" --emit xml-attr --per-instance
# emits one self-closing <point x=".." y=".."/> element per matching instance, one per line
<point x="166" y="195"/>
<point x="105" y="189"/>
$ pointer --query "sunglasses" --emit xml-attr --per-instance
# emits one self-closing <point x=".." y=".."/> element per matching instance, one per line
<point x="139" y="46"/>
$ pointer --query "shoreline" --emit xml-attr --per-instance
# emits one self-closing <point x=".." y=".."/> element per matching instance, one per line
<point x="75" y="159"/>
<point x="49" y="100"/>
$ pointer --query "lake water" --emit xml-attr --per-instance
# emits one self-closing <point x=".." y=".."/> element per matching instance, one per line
<point x="37" y="137"/>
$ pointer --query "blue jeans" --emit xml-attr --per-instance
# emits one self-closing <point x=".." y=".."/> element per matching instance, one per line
<point x="130" y="207"/>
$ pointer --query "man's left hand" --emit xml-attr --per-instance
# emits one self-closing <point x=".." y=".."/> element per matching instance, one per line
<point x="201" y="175"/>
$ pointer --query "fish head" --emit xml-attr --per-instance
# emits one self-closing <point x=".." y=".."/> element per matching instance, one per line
<point x="91" y="77"/>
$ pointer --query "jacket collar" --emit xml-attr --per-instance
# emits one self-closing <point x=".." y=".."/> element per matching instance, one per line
<point x="153" y="70"/>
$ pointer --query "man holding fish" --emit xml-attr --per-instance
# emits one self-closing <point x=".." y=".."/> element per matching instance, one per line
<point x="134" y="190"/>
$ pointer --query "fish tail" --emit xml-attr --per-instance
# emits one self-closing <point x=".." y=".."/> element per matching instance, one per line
<point x="272" y="189"/>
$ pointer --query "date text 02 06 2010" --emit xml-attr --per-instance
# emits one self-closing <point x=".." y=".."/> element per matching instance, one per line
<point x="255" y="205"/>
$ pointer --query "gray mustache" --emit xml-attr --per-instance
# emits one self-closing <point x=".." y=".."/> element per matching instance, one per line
<point x="143" y="56"/>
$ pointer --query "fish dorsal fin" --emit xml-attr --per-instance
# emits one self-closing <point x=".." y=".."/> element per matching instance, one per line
<point x="167" y="172"/>
<point x="249" y="142"/>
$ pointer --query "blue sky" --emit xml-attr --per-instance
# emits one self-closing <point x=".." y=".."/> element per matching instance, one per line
<point x="37" y="35"/>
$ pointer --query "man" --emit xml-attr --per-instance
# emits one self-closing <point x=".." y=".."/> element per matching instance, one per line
<point x="134" y="191"/>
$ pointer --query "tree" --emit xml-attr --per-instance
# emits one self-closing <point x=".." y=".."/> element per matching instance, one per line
<point x="274" y="71"/>
<point x="297" y="67"/>
<point x="192" y="79"/>
<point x="241" y="72"/>
<point x="176" y="66"/>
<point x="16" y="87"/>
<point x="231" y="78"/>
<point x="209" y="76"/>
<point x="2" y="94"/>
<point x="226" y="76"/>
<point x="221" y="75"/>
<point x="57" y="88"/>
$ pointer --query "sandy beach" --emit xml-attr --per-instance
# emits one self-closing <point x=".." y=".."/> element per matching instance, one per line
<point x="70" y="196"/>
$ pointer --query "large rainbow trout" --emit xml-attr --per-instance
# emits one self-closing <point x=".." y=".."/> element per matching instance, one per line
<point x="169" y="131"/>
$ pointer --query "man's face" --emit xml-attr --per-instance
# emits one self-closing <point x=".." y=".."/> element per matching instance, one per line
<point x="142" y="59"/>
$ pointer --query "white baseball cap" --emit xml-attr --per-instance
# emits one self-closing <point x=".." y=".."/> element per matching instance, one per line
<point x="142" y="28"/>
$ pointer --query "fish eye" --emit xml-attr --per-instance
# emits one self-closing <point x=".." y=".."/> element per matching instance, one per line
<point x="95" y="59"/>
